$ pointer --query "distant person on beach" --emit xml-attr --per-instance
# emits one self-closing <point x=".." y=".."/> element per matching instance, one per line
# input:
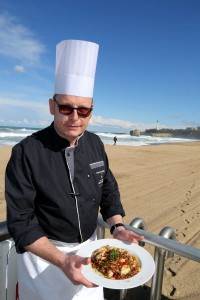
<point x="115" y="140"/>
<point x="57" y="180"/>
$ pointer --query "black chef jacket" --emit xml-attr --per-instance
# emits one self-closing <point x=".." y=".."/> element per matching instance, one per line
<point x="44" y="200"/>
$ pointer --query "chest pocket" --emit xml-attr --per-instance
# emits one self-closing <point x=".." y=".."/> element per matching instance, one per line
<point x="98" y="171"/>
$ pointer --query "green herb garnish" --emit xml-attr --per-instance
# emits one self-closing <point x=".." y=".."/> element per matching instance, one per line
<point x="114" y="254"/>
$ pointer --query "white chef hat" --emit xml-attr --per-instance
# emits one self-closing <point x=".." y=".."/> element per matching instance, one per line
<point x="75" y="67"/>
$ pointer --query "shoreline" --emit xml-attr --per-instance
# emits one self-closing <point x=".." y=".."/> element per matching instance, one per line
<point x="161" y="185"/>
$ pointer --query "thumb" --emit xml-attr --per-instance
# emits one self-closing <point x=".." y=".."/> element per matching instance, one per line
<point x="86" y="261"/>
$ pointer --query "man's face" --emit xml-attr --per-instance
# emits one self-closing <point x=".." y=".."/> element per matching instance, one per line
<point x="73" y="125"/>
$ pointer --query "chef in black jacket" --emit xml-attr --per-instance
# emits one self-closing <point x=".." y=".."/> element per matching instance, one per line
<point x="57" y="180"/>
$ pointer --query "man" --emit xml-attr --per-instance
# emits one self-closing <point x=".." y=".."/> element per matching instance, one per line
<point x="115" y="140"/>
<point x="56" y="181"/>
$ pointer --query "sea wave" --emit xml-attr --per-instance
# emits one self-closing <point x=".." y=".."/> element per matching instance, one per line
<point x="142" y="140"/>
<point x="13" y="135"/>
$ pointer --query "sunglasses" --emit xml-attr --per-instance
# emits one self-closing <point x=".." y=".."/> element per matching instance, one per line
<point x="82" y="111"/>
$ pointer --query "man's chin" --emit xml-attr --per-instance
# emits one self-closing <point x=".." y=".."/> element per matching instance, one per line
<point x="72" y="134"/>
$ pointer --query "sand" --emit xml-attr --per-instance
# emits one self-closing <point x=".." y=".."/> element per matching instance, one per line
<point x="160" y="184"/>
<point x="5" y="152"/>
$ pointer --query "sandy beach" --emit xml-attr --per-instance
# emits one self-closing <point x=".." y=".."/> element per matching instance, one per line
<point x="160" y="184"/>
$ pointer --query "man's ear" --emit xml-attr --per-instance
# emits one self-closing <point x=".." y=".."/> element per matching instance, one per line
<point x="51" y="107"/>
<point x="92" y="105"/>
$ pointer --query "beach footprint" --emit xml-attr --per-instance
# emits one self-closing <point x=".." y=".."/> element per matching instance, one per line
<point x="173" y="273"/>
<point x="173" y="291"/>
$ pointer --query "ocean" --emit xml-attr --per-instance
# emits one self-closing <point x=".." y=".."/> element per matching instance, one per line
<point x="9" y="136"/>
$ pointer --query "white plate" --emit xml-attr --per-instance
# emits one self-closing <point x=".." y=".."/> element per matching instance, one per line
<point x="144" y="257"/>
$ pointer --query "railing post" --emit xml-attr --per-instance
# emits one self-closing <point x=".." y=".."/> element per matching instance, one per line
<point x="137" y="223"/>
<point x="122" y="295"/>
<point x="4" y="231"/>
<point x="101" y="228"/>
<point x="159" y="258"/>
<point x="100" y="232"/>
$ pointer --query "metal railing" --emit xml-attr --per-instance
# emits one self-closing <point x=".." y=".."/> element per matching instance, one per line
<point x="164" y="243"/>
<point x="3" y="231"/>
<point x="165" y="246"/>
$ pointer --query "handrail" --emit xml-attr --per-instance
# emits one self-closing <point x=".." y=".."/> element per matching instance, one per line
<point x="162" y="242"/>
<point x="168" y="244"/>
<point x="159" y="257"/>
<point x="4" y="234"/>
<point x="165" y="244"/>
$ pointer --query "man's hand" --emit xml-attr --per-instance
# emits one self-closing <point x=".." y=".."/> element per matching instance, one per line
<point x="72" y="268"/>
<point x="121" y="233"/>
<point x="127" y="235"/>
<point x="71" y="265"/>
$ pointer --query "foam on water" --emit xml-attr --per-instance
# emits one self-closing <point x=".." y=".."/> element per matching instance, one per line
<point x="13" y="135"/>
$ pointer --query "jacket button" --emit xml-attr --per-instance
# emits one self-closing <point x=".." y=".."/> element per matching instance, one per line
<point x="88" y="176"/>
<point x="94" y="200"/>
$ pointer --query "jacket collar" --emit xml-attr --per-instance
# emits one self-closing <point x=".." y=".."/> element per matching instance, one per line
<point x="59" y="142"/>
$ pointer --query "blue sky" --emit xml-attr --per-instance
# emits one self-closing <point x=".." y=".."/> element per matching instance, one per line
<point x="148" y="66"/>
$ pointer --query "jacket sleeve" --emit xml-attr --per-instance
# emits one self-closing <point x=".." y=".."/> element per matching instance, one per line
<point x="110" y="204"/>
<point x="20" y="194"/>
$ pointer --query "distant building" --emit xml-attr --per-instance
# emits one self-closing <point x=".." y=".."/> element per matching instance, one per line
<point x="157" y="125"/>
<point x="190" y="128"/>
<point x="135" y="132"/>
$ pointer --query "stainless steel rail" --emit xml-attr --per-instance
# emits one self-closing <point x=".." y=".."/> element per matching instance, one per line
<point x="163" y="242"/>
<point x="165" y="245"/>
<point x="159" y="257"/>
<point x="3" y="231"/>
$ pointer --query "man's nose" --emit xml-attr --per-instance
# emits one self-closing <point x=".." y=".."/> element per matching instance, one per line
<point x="74" y="115"/>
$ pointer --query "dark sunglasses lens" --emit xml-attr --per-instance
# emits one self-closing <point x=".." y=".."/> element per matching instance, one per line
<point x="64" y="109"/>
<point x="68" y="110"/>
<point x="83" y="111"/>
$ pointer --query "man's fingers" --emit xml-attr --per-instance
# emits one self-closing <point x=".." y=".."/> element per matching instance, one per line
<point x="82" y="279"/>
<point x="86" y="261"/>
<point x="82" y="261"/>
<point x="128" y="235"/>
